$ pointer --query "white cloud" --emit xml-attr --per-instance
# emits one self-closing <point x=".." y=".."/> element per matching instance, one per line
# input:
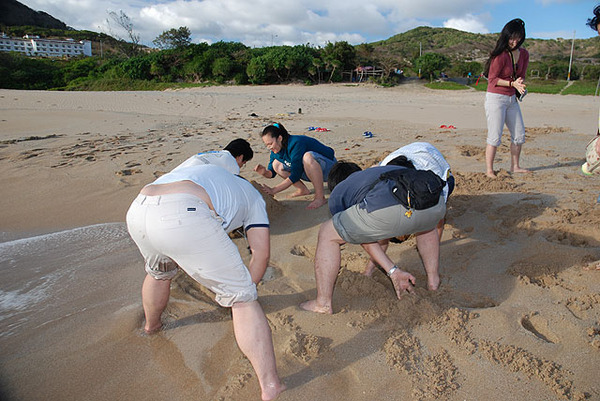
<point x="468" y="23"/>
<point x="551" y="35"/>
<point x="262" y="22"/>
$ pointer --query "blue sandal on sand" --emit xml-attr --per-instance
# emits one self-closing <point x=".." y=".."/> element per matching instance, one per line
<point x="368" y="134"/>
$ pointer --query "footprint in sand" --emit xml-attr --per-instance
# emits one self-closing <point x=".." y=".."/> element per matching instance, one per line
<point x="539" y="327"/>
<point x="302" y="250"/>
<point x="594" y="337"/>
<point x="128" y="171"/>
<point x="271" y="273"/>
<point x="307" y="347"/>
<point x="301" y="345"/>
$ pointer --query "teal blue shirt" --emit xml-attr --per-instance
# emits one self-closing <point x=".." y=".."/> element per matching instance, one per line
<point x="291" y="156"/>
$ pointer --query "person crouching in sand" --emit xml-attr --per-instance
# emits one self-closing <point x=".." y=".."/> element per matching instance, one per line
<point x="182" y="220"/>
<point x="296" y="158"/>
<point x="366" y="211"/>
<point x="420" y="156"/>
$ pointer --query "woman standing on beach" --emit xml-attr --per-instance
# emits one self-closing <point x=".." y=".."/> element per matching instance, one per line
<point x="296" y="158"/>
<point x="506" y="69"/>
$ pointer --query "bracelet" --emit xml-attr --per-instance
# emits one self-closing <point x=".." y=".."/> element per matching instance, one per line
<point x="392" y="270"/>
<point x="510" y="84"/>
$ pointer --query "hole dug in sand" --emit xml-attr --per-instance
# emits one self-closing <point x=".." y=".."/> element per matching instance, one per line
<point x="538" y="326"/>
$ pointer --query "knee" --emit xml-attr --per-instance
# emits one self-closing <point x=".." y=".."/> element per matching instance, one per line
<point x="328" y="233"/>
<point x="278" y="166"/>
<point x="308" y="159"/>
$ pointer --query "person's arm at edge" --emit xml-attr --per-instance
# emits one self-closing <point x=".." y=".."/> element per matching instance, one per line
<point x="267" y="172"/>
<point x="402" y="280"/>
<point x="282" y="186"/>
<point x="260" y="246"/>
<point x="296" y="150"/>
<point x="495" y="68"/>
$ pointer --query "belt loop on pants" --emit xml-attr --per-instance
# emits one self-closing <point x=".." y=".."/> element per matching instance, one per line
<point x="149" y="200"/>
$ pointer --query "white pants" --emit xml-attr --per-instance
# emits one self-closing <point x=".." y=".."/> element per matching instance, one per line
<point x="180" y="230"/>
<point x="500" y="110"/>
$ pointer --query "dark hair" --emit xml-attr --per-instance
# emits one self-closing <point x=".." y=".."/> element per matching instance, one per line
<point x="401" y="161"/>
<point x="339" y="172"/>
<point x="593" y="22"/>
<point x="240" y="147"/>
<point x="274" y="130"/>
<point x="513" y="28"/>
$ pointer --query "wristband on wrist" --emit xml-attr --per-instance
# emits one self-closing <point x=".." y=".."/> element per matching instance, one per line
<point x="392" y="270"/>
<point x="510" y="84"/>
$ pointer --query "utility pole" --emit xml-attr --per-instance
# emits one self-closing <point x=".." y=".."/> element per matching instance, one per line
<point x="571" y="58"/>
<point x="420" y="48"/>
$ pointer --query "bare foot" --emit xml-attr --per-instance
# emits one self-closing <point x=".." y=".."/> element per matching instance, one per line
<point x="272" y="391"/>
<point x="519" y="170"/>
<point x="317" y="203"/>
<point x="433" y="283"/>
<point x="300" y="192"/>
<point x="313" y="306"/>
<point x="491" y="174"/>
<point x="153" y="330"/>
<point x="369" y="269"/>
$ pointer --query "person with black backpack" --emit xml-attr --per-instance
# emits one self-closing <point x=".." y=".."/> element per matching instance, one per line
<point x="420" y="156"/>
<point x="373" y="205"/>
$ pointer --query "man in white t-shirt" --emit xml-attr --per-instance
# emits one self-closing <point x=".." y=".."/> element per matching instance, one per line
<point x="182" y="220"/>
<point x="237" y="153"/>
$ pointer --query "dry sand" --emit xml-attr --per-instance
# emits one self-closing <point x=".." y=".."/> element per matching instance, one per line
<point x="517" y="315"/>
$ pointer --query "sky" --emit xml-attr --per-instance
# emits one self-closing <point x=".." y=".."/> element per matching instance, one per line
<point x="259" y="23"/>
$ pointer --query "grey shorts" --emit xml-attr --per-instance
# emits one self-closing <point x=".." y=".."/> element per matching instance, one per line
<point x="325" y="163"/>
<point x="501" y="110"/>
<point x="357" y="226"/>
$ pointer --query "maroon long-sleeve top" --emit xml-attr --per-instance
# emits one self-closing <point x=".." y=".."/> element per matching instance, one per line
<point x="501" y="68"/>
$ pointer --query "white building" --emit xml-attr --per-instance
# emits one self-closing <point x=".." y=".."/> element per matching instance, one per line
<point x="34" y="46"/>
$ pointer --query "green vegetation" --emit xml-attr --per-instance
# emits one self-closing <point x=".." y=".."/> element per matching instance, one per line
<point x="581" y="88"/>
<point x="431" y="64"/>
<point x="553" y="87"/>
<point x="446" y="85"/>
<point x="221" y="62"/>
<point x="542" y="86"/>
<point x="173" y="38"/>
<point x="121" y="64"/>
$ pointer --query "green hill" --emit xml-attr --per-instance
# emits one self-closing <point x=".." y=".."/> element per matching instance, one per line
<point x="14" y="13"/>
<point x="465" y="46"/>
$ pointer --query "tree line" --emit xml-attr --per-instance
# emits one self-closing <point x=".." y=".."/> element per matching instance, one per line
<point x="178" y="61"/>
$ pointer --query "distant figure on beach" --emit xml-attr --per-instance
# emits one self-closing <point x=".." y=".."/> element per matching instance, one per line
<point x="181" y="220"/>
<point x="296" y="158"/>
<point x="421" y="156"/>
<point x="233" y="156"/>
<point x="366" y="209"/>
<point x="506" y="69"/>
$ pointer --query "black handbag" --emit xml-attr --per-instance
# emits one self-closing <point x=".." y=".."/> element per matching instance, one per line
<point x="415" y="189"/>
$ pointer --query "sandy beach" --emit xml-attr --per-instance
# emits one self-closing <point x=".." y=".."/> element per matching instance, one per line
<point x="517" y="315"/>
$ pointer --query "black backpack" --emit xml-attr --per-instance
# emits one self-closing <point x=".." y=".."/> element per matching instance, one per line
<point x="414" y="189"/>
